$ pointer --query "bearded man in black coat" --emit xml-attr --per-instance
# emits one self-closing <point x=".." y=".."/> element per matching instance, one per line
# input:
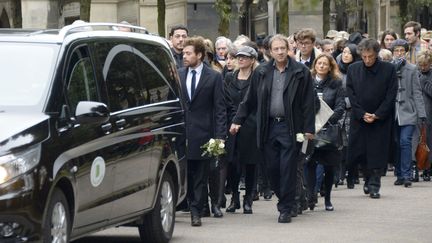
<point x="371" y="87"/>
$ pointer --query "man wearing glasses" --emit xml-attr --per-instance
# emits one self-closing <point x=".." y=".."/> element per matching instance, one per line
<point x="306" y="51"/>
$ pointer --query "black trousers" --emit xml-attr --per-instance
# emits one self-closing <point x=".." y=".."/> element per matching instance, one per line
<point x="197" y="172"/>
<point x="281" y="152"/>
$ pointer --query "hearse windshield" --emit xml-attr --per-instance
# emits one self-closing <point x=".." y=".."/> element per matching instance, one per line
<point x="25" y="73"/>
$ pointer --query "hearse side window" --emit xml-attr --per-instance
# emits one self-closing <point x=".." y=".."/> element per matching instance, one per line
<point x="81" y="82"/>
<point x="156" y="71"/>
<point x="121" y="76"/>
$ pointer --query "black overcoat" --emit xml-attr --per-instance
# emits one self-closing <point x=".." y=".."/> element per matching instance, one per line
<point x="242" y="146"/>
<point x="205" y="113"/>
<point x="373" y="90"/>
<point x="334" y="95"/>
<point x="298" y="97"/>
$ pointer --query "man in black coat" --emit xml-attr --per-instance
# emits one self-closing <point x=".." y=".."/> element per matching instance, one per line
<point x="281" y="92"/>
<point x="371" y="88"/>
<point x="205" y="115"/>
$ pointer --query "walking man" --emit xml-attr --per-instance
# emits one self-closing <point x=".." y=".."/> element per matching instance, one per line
<point x="205" y="115"/>
<point x="281" y="92"/>
<point x="371" y="88"/>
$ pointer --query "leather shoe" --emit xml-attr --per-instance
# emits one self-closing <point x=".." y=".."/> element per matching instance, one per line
<point x="329" y="206"/>
<point x="217" y="213"/>
<point x="205" y="212"/>
<point x="407" y="183"/>
<point x="399" y="182"/>
<point x="375" y="195"/>
<point x="365" y="189"/>
<point x="195" y="220"/>
<point x="268" y="194"/>
<point x="284" y="217"/>
<point x="294" y="212"/>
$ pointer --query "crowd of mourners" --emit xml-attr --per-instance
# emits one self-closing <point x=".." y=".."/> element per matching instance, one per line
<point x="261" y="98"/>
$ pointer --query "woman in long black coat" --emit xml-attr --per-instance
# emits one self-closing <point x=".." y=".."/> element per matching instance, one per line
<point x="371" y="87"/>
<point x="328" y="84"/>
<point x="242" y="149"/>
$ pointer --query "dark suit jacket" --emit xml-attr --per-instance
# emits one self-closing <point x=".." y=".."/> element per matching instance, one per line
<point x="205" y="113"/>
<point x="298" y="96"/>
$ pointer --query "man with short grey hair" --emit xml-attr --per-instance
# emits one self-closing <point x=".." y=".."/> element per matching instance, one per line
<point x="282" y="94"/>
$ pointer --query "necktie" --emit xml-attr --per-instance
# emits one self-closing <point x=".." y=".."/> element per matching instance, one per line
<point x="193" y="83"/>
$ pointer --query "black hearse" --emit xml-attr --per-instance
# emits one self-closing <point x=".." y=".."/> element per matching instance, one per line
<point x="91" y="133"/>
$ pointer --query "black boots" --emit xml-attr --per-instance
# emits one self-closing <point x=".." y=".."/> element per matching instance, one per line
<point x="235" y="203"/>
<point x="247" y="204"/>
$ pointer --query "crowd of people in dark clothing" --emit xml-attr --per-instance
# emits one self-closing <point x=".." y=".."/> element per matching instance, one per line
<point x="261" y="98"/>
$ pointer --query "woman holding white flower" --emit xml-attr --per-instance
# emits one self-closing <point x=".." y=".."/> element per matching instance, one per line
<point x="328" y="84"/>
<point x="242" y="151"/>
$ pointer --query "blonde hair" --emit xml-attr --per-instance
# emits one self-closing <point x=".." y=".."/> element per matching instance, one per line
<point x="334" y="68"/>
<point x="385" y="55"/>
<point x="425" y="56"/>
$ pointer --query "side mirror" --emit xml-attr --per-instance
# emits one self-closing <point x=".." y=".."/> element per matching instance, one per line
<point x="88" y="112"/>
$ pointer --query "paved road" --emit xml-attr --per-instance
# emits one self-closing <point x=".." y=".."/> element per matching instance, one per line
<point x="401" y="215"/>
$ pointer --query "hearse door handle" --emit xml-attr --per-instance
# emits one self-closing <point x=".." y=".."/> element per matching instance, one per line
<point x="120" y="124"/>
<point x="106" y="128"/>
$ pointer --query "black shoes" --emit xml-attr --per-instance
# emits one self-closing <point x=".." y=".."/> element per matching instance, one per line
<point x="195" y="220"/>
<point x="329" y="206"/>
<point x="217" y="213"/>
<point x="365" y="189"/>
<point x="235" y="204"/>
<point x="247" y="205"/>
<point x="407" y="183"/>
<point x="284" y="217"/>
<point x="205" y="212"/>
<point x="399" y="182"/>
<point x="268" y="194"/>
<point x="375" y="195"/>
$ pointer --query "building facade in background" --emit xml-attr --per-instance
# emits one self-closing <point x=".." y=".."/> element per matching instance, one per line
<point x="249" y="17"/>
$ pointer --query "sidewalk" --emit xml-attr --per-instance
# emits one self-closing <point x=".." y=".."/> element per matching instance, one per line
<point x="401" y="215"/>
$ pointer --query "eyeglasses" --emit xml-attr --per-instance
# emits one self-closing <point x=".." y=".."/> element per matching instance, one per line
<point x="221" y="48"/>
<point x="305" y="43"/>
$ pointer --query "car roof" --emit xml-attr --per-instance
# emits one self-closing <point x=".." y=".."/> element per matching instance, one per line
<point x="78" y="31"/>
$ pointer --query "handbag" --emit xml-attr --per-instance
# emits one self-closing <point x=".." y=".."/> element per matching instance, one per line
<point x="422" y="151"/>
<point x="329" y="138"/>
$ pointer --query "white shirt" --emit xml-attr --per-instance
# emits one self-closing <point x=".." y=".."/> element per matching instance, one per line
<point x="197" y="78"/>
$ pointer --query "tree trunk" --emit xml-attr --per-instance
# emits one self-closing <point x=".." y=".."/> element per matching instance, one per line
<point x="283" y="17"/>
<point x="326" y="16"/>
<point x="403" y="12"/>
<point x="223" y="9"/>
<point x="17" y="18"/>
<point x="161" y="17"/>
<point x="85" y="10"/>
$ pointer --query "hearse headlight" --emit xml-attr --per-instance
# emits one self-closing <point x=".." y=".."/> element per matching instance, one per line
<point x="15" y="164"/>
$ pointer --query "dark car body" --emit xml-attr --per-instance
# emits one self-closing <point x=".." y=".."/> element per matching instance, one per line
<point x="99" y="118"/>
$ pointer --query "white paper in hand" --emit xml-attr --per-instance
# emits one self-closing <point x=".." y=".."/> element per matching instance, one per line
<point x="323" y="115"/>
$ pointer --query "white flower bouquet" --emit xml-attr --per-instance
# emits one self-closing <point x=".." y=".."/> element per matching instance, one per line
<point x="214" y="148"/>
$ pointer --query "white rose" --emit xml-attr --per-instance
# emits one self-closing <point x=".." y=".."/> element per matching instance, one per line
<point x="212" y="141"/>
<point x="300" y="137"/>
<point x="221" y="145"/>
